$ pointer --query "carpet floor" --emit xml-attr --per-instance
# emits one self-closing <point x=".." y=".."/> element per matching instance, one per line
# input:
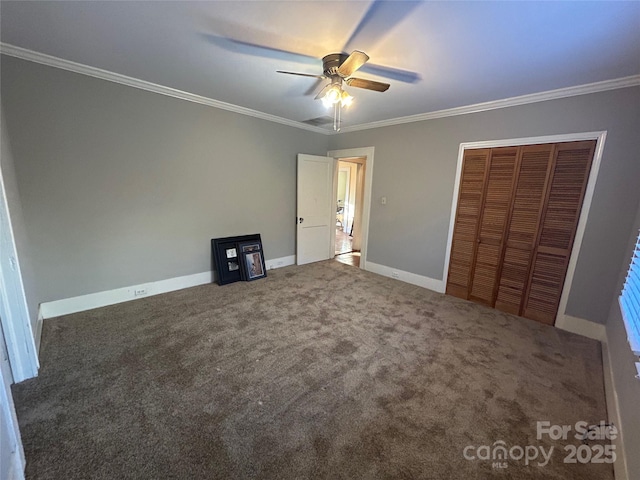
<point x="319" y="371"/>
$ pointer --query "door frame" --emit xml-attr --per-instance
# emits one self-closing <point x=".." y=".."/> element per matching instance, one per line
<point x="366" y="153"/>
<point x="599" y="137"/>
<point x="14" y="312"/>
<point x="347" y="197"/>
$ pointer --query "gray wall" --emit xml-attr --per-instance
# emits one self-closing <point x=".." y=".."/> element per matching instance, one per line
<point x="120" y="186"/>
<point x="622" y="362"/>
<point x="415" y="168"/>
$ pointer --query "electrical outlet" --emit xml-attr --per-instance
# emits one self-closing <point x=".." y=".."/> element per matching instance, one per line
<point x="395" y="274"/>
<point x="139" y="292"/>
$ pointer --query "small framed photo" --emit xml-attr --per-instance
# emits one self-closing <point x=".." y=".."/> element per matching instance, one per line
<point x="251" y="247"/>
<point x="254" y="266"/>
<point x="252" y="258"/>
<point x="231" y="252"/>
<point x="233" y="266"/>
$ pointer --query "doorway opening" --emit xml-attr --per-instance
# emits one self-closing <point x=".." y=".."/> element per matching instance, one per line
<point x="317" y="205"/>
<point x="349" y="188"/>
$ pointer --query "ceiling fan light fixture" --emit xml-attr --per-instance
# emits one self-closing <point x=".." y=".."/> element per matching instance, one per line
<point x="326" y="102"/>
<point x="332" y="96"/>
<point x="346" y="99"/>
<point x="336" y="94"/>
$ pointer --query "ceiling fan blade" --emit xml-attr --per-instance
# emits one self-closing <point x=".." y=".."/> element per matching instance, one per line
<point x="353" y="63"/>
<point x="393" y="73"/>
<point x="302" y="74"/>
<point x="313" y="88"/>
<point x="255" y="50"/>
<point x="323" y="92"/>
<point x="368" y="84"/>
<point x="379" y="19"/>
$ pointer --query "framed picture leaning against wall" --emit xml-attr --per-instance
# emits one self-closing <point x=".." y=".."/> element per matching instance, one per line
<point x="252" y="260"/>
<point x="228" y="256"/>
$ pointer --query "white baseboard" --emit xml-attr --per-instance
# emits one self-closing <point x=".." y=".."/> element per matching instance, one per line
<point x="613" y="412"/>
<point x="119" y="295"/>
<point x="583" y="327"/>
<point x="280" y="262"/>
<point x="408" y="277"/>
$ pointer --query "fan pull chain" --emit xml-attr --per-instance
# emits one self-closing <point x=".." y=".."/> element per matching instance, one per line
<point x="337" y="116"/>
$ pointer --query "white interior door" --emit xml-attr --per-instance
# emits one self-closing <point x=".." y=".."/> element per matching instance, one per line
<point x="316" y="215"/>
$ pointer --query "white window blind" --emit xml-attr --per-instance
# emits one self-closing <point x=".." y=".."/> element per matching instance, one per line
<point x="630" y="300"/>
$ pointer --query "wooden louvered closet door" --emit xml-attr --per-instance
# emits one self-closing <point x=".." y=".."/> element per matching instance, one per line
<point x="563" y="202"/>
<point x="517" y="215"/>
<point x="493" y="217"/>
<point x="522" y="230"/>
<point x="463" y="243"/>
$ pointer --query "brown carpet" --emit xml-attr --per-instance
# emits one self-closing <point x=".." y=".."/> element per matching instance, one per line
<point x="320" y="371"/>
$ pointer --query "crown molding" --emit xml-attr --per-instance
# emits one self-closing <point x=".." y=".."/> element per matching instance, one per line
<point x="49" y="60"/>
<point x="44" y="59"/>
<point x="632" y="81"/>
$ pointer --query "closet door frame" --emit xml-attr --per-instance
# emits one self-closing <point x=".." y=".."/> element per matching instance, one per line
<point x="600" y="137"/>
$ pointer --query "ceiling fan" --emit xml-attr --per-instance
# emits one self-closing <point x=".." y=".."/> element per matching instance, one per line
<point x="381" y="16"/>
<point x="338" y="68"/>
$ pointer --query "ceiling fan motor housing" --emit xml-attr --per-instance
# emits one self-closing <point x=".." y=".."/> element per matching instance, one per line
<point x="332" y="62"/>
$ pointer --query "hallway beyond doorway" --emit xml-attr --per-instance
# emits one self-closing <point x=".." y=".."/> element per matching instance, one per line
<point x="344" y="251"/>
<point x="344" y="242"/>
<point x="352" y="258"/>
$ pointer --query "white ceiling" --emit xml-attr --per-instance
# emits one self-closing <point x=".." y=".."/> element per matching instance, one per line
<point x="464" y="52"/>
